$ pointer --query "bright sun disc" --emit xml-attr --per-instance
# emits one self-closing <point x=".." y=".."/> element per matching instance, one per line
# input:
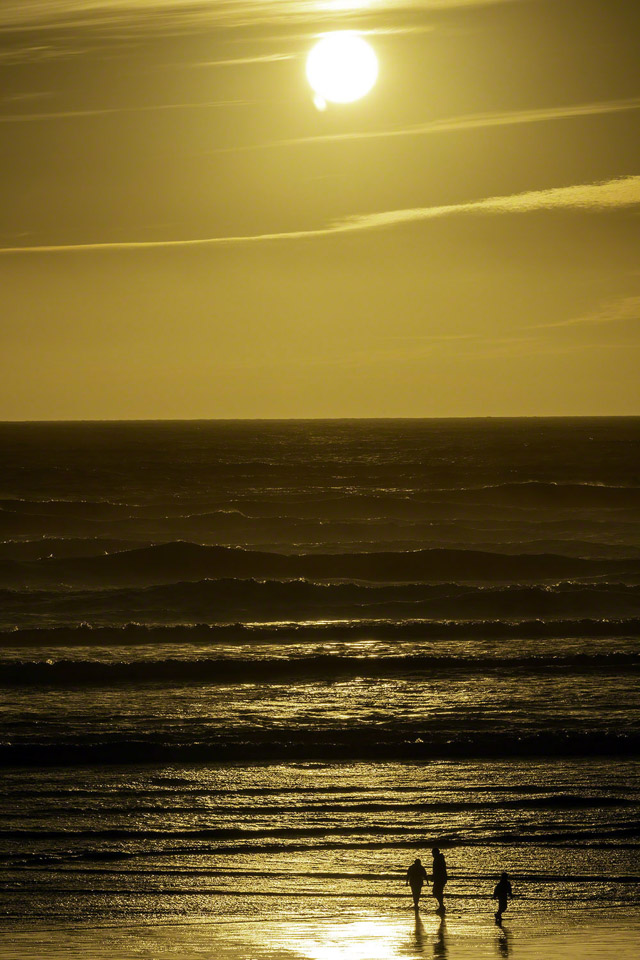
<point x="342" y="67"/>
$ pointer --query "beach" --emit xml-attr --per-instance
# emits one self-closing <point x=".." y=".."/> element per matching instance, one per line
<point x="374" y="937"/>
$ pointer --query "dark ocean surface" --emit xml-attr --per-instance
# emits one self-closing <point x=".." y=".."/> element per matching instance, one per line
<point x="259" y="666"/>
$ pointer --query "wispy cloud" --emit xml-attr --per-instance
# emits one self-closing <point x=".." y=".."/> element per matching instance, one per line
<point x="450" y="125"/>
<point x="26" y="97"/>
<point x="615" y="311"/>
<point x="622" y="192"/>
<point x="596" y="197"/>
<point x="106" y="111"/>
<point x="40" y="12"/>
<point x="240" y="61"/>
<point x="470" y="122"/>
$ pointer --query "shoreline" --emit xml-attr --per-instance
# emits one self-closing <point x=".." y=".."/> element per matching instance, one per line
<point x="373" y="937"/>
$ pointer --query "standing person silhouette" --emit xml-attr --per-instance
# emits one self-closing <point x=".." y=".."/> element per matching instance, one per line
<point x="439" y="878"/>
<point x="416" y="875"/>
<point x="502" y="893"/>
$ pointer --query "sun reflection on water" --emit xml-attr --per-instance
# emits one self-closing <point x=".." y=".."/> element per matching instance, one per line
<point x="359" y="940"/>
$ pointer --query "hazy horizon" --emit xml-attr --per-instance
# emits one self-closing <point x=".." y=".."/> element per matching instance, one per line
<point x="400" y="419"/>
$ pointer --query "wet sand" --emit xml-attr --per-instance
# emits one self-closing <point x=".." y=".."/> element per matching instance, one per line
<point x="330" y="938"/>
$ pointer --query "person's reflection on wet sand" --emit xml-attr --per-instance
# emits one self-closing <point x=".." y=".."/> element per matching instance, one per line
<point x="502" y="941"/>
<point x="419" y="935"/>
<point x="440" y="943"/>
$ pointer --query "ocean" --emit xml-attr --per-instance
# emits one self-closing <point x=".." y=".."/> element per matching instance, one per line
<point x="250" y="670"/>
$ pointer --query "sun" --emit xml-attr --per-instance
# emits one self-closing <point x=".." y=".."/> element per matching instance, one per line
<point x="341" y="68"/>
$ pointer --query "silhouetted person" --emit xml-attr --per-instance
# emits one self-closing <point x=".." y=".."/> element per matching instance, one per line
<point x="416" y="875"/>
<point x="502" y="893"/>
<point x="439" y="878"/>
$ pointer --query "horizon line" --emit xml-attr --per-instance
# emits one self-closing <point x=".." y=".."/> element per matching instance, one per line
<point x="480" y="416"/>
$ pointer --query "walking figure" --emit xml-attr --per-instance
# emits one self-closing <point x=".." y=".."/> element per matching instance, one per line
<point x="416" y="875"/>
<point x="439" y="878"/>
<point x="502" y="893"/>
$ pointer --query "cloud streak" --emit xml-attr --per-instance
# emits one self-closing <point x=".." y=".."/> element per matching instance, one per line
<point x="619" y="311"/>
<point x="451" y="125"/>
<point x="241" y="61"/>
<point x="476" y="121"/>
<point x="616" y="194"/>
<point x="607" y="195"/>
<point x="14" y="13"/>
<point x="106" y="111"/>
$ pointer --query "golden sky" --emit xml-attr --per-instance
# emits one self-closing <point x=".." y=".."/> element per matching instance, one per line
<point x="183" y="233"/>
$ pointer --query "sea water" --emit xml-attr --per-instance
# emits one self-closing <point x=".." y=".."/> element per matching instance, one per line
<point x="252" y="669"/>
